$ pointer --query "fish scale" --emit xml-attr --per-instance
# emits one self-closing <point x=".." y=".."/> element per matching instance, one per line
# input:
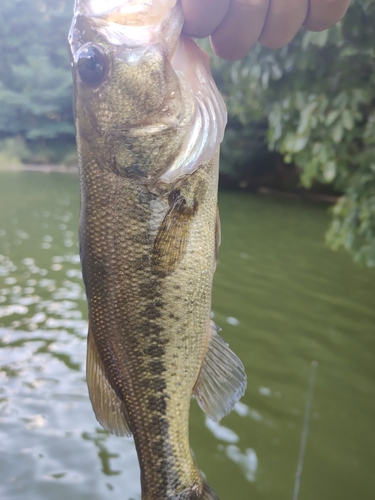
<point x="149" y="307"/>
<point x="149" y="234"/>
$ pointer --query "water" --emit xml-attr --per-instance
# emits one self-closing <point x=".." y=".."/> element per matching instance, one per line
<point x="282" y="299"/>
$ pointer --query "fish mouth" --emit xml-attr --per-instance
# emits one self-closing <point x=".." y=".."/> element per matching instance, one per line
<point x="127" y="12"/>
<point x="134" y="22"/>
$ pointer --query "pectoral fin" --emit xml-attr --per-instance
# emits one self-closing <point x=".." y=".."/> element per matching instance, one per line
<point x="222" y="380"/>
<point x="108" y="407"/>
<point x="171" y="240"/>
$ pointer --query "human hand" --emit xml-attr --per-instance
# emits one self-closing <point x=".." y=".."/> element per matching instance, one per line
<point x="235" y="25"/>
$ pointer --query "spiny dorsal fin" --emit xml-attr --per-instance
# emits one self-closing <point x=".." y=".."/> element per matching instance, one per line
<point x="222" y="380"/>
<point x="108" y="407"/>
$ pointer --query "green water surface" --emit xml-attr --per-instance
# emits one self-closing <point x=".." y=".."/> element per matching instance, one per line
<point x="282" y="299"/>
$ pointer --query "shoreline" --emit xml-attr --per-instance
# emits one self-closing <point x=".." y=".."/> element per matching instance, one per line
<point x="262" y="190"/>
<point x="39" y="168"/>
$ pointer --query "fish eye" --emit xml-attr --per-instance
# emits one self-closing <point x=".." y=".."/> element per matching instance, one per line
<point x="91" y="64"/>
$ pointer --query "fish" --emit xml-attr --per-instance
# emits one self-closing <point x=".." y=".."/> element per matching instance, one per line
<point x="149" y="121"/>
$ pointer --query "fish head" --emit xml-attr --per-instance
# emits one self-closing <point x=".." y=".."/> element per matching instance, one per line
<point x="119" y="53"/>
<point x="136" y="86"/>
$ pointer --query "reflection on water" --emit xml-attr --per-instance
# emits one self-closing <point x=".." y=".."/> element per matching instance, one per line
<point x="221" y="432"/>
<point x="282" y="300"/>
<point x="248" y="461"/>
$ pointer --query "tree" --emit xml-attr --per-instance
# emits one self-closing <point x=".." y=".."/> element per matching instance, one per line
<point x="318" y="94"/>
<point x="35" y="80"/>
<point x="313" y="101"/>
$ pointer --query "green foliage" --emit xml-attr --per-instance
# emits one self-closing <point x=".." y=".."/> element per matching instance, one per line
<point x="14" y="151"/>
<point x="35" y="80"/>
<point x="319" y="96"/>
<point x="242" y="146"/>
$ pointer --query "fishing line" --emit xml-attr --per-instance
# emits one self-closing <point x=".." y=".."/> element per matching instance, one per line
<point x="305" y="429"/>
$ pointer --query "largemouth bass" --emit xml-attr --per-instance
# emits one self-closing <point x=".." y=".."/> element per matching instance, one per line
<point x="149" y="121"/>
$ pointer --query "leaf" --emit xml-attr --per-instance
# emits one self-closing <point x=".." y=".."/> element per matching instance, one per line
<point x="305" y="121"/>
<point x="294" y="143"/>
<point x="347" y="119"/>
<point x="332" y="116"/>
<point x="337" y="132"/>
<point x="329" y="171"/>
<point x="319" y="39"/>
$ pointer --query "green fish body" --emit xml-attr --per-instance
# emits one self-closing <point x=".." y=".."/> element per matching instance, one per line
<point x="149" y="121"/>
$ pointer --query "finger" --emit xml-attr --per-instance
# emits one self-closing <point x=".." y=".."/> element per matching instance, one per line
<point x="240" y="29"/>
<point x="284" y="19"/>
<point x="323" y="14"/>
<point x="203" y="16"/>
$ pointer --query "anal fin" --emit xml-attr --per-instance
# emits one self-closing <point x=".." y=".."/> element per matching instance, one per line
<point x="109" y="410"/>
<point x="222" y="380"/>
